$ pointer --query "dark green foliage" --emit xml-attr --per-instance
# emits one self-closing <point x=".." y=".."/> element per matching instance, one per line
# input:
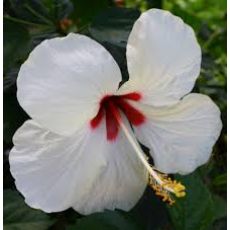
<point x="86" y="10"/>
<point x="46" y="12"/>
<point x="18" y="216"/>
<point x="115" y="220"/>
<point x="10" y="123"/>
<point x="117" y="26"/>
<point x="16" y="43"/>
<point x="199" y="209"/>
<point x="28" y="22"/>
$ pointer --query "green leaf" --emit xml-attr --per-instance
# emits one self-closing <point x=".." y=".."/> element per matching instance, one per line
<point x="9" y="79"/>
<point x="188" y="17"/>
<point x="16" y="43"/>
<point x="212" y="14"/>
<point x="13" y="116"/>
<point x="155" y="3"/>
<point x="85" y="10"/>
<point x="220" y="207"/>
<point x="114" y="26"/>
<point x="18" y="216"/>
<point x="197" y="209"/>
<point x="46" y="12"/>
<point x="150" y="212"/>
<point x="220" y="180"/>
<point x="58" y="9"/>
<point x="113" y="220"/>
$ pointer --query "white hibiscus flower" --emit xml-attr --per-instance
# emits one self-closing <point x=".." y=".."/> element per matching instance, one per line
<point x="81" y="149"/>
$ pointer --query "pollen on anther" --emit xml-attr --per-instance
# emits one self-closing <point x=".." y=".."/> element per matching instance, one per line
<point x="167" y="188"/>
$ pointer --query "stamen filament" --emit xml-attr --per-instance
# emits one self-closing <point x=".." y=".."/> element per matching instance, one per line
<point x="162" y="184"/>
<point x="140" y="154"/>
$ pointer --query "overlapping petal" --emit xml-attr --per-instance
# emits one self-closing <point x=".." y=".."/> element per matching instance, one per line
<point x="122" y="183"/>
<point x="83" y="170"/>
<point x="163" y="58"/>
<point x="52" y="171"/>
<point x="63" y="80"/>
<point x="181" y="137"/>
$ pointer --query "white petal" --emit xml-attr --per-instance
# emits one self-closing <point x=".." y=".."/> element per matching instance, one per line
<point x="122" y="183"/>
<point x="181" y="137"/>
<point x="163" y="58"/>
<point x="63" y="80"/>
<point x="55" y="173"/>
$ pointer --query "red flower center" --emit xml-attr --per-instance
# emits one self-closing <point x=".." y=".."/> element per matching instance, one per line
<point x="110" y="107"/>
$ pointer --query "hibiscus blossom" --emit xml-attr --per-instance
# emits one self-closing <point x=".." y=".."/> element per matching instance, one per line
<point x="81" y="147"/>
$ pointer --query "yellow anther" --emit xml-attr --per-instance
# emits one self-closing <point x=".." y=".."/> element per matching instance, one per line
<point x="167" y="188"/>
<point x="179" y="190"/>
<point x="180" y="194"/>
<point x="179" y="186"/>
<point x="176" y="187"/>
<point x="171" y="202"/>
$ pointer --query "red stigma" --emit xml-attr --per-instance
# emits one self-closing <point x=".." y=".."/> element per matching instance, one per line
<point x="110" y="106"/>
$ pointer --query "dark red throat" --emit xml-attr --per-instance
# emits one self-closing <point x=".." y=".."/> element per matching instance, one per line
<point x="110" y="107"/>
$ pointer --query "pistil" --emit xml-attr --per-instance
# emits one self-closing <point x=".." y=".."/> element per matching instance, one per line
<point x="159" y="182"/>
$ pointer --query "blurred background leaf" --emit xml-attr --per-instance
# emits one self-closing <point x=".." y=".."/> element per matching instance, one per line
<point x="199" y="208"/>
<point x="86" y="10"/>
<point x="16" y="43"/>
<point x="114" y="220"/>
<point x="18" y="216"/>
<point x="10" y="123"/>
<point x="40" y="12"/>
<point x="114" y="25"/>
